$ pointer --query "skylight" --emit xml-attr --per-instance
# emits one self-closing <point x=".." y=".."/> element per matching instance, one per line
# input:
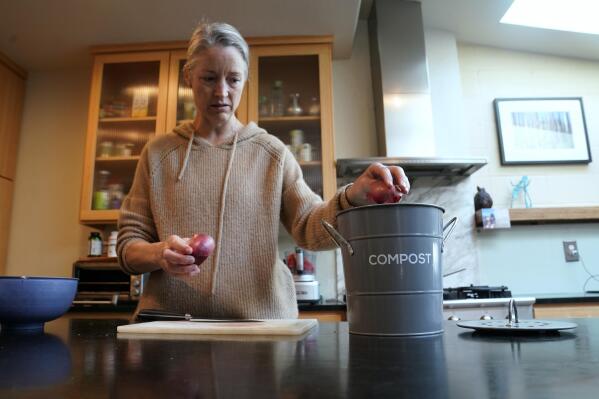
<point x="567" y="15"/>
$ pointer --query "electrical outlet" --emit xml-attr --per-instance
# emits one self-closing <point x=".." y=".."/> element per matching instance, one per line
<point x="571" y="251"/>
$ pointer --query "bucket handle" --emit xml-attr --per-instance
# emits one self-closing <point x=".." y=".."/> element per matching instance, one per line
<point x="337" y="237"/>
<point x="451" y="224"/>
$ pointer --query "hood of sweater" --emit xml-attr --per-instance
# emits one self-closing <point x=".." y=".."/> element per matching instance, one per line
<point x="187" y="131"/>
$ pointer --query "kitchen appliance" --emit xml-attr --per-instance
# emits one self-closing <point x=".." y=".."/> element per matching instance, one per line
<point x="302" y="265"/>
<point x="103" y="283"/>
<point x="393" y="267"/>
<point x="483" y="303"/>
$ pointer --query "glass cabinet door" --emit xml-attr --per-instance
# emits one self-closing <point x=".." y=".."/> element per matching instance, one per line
<point x="127" y="108"/>
<point x="291" y="100"/>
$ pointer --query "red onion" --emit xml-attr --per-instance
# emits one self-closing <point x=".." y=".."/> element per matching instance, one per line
<point x="202" y="246"/>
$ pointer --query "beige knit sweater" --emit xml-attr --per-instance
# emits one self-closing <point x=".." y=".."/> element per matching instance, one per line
<point x="264" y="187"/>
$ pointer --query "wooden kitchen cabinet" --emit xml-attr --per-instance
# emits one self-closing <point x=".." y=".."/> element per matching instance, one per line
<point x="6" y="192"/>
<point x="299" y="71"/>
<point x="127" y="108"/>
<point x="12" y="94"/>
<point x="324" y="315"/>
<point x="138" y="91"/>
<point x="566" y="310"/>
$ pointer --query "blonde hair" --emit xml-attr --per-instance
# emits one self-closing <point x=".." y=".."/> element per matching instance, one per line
<point x="211" y="34"/>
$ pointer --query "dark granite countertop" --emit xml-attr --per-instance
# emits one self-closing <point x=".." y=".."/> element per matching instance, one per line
<point x="83" y="358"/>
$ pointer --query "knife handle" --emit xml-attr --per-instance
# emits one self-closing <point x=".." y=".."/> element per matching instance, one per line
<point x="159" y="314"/>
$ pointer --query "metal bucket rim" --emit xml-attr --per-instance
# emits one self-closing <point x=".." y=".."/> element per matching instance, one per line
<point x="367" y="207"/>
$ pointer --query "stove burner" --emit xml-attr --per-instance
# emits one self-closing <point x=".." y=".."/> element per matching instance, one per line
<point x="476" y="292"/>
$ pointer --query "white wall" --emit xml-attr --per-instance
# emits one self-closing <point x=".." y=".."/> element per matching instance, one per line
<point x="489" y="73"/>
<point x="353" y="107"/>
<point x="45" y="236"/>
<point x="529" y="259"/>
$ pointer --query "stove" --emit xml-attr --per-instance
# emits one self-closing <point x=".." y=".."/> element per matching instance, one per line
<point x="483" y="303"/>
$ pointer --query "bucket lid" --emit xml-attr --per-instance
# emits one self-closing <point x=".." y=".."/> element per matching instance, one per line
<point x="366" y="207"/>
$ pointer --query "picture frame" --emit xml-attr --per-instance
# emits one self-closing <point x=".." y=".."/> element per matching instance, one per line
<point x="542" y="131"/>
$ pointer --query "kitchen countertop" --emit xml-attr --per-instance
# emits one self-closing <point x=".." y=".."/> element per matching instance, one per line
<point x="82" y="358"/>
<point x="573" y="297"/>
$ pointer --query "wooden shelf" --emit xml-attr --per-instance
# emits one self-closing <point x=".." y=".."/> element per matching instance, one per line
<point x="128" y="119"/>
<point x="310" y="163"/>
<point x="531" y="216"/>
<point x="118" y="159"/>
<point x="289" y="118"/>
<point x="554" y="215"/>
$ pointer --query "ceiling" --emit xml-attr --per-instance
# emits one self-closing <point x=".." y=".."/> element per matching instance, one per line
<point x="477" y="21"/>
<point x="42" y="34"/>
<point x="48" y="34"/>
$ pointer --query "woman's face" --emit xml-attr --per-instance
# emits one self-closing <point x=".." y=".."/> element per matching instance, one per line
<point x="217" y="80"/>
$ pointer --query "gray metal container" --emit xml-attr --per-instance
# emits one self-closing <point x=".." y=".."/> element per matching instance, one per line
<point x="393" y="267"/>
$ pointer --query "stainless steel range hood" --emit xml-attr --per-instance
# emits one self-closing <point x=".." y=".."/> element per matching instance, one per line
<point x="402" y="97"/>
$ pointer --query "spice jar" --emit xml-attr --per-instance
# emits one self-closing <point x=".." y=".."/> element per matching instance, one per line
<point x="105" y="149"/>
<point x="116" y="195"/>
<point x="123" y="149"/>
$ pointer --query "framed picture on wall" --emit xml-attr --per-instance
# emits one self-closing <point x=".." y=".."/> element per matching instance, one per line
<point x="541" y="131"/>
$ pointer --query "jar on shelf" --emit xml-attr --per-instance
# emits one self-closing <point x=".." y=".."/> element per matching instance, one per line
<point x="277" y="107"/>
<point x="314" y="109"/>
<point x="263" y="106"/>
<point x="123" y="149"/>
<point x="105" y="149"/>
<point x="297" y="141"/>
<point x="189" y="110"/>
<point x="116" y="195"/>
<point x="305" y="153"/>
<point x="101" y="196"/>
<point x="294" y="107"/>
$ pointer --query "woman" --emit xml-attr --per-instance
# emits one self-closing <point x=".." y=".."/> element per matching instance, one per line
<point x="233" y="182"/>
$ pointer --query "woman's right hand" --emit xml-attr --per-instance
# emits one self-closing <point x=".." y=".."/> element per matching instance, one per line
<point x="175" y="257"/>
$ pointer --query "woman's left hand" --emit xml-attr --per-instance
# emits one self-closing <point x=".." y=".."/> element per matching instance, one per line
<point x="379" y="184"/>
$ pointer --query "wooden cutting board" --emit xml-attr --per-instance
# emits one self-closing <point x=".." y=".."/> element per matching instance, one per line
<point x="266" y="327"/>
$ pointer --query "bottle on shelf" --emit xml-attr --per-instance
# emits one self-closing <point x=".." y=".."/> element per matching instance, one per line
<point x="95" y="244"/>
<point x="263" y="106"/>
<point x="294" y="107"/>
<point x="111" y="250"/>
<point x="101" y="197"/>
<point x="277" y="108"/>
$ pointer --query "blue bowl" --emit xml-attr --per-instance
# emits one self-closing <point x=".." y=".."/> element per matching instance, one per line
<point x="26" y="303"/>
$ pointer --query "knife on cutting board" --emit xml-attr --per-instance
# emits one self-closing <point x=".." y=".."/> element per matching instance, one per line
<point x="163" y="315"/>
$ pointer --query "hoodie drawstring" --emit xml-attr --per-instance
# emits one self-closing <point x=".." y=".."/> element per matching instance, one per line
<point x="221" y="216"/>
<point x="187" y="152"/>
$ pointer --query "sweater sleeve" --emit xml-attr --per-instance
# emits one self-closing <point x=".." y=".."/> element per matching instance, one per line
<point x="302" y="210"/>
<point x="136" y="221"/>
